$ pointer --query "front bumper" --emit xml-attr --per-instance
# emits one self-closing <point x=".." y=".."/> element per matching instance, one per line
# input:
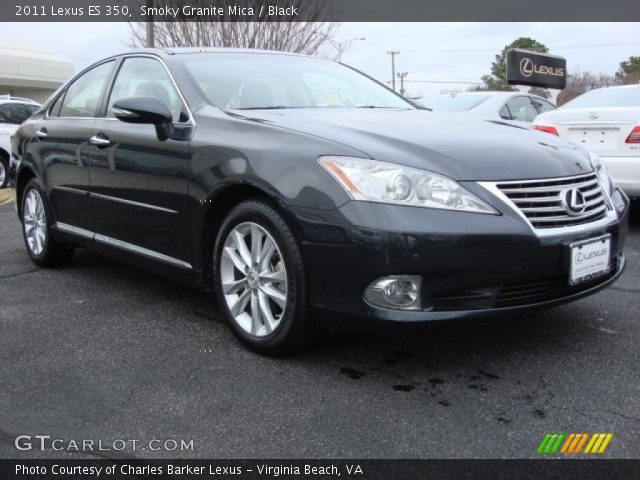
<point x="471" y="264"/>
<point x="626" y="173"/>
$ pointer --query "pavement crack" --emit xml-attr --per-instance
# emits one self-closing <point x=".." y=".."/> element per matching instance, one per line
<point x="605" y="410"/>
<point x="545" y="387"/>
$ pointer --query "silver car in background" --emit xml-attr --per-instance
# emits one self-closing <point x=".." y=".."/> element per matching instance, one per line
<point x="515" y="108"/>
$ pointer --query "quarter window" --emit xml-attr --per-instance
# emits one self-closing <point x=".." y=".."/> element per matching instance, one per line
<point x="140" y="76"/>
<point x="83" y="95"/>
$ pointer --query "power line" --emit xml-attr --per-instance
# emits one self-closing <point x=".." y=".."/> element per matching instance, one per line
<point x="481" y="50"/>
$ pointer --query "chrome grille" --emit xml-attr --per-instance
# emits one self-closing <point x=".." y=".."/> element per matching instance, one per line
<point x="540" y="201"/>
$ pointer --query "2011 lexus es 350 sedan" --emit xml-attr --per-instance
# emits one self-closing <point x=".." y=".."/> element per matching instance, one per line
<point x="307" y="195"/>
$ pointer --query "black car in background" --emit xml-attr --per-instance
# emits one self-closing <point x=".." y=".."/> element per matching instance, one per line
<point x="307" y="195"/>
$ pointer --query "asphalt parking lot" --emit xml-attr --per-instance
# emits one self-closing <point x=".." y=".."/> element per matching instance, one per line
<point x="100" y="350"/>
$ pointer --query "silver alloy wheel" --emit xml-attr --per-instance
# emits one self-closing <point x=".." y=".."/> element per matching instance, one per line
<point x="3" y="173"/>
<point x="254" y="279"/>
<point x="35" y="222"/>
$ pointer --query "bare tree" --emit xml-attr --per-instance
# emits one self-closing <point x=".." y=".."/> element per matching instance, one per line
<point x="310" y="37"/>
<point x="581" y="82"/>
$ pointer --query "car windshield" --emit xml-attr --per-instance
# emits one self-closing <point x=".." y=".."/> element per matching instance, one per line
<point x="607" y="97"/>
<point x="459" y="103"/>
<point x="255" y="81"/>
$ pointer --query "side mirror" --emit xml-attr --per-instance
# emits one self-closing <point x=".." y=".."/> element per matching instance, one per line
<point x="145" y="110"/>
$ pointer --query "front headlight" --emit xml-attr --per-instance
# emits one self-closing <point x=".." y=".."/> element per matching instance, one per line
<point x="603" y="173"/>
<point x="374" y="181"/>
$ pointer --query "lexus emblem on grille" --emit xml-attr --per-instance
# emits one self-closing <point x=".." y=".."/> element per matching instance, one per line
<point x="573" y="201"/>
<point x="594" y="115"/>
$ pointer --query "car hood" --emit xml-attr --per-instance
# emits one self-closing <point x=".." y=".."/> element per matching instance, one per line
<point x="454" y="145"/>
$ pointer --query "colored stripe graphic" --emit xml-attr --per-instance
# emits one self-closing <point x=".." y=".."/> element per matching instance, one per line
<point x="550" y="443"/>
<point x="573" y="443"/>
<point x="598" y="443"/>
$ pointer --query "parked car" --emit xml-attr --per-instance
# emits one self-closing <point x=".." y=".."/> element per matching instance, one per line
<point x="514" y="108"/>
<point x="13" y="111"/>
<point x="605" y="121"/>
<point x="307" y="195"/>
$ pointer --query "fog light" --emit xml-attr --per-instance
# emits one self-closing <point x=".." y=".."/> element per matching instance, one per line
<point x="618" y="199"/>
<point x="395" y="291"/>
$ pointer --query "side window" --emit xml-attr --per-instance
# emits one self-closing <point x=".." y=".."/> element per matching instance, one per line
<point x="83" y="95"/>
<point x="16" y="113"/>
<point x="505" y="113"/>
<point x="139" y="76"/>
<point x="542" y="105"/>
<point x="522" y="109"/>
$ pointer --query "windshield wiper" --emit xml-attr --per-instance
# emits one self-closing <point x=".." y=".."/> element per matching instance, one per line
<point x="270" y="107"/>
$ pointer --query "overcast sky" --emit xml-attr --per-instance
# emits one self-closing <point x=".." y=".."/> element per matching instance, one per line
<point x="444" y="52"/>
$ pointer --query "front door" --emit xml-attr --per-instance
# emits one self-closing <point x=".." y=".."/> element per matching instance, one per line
<point x="139" y="183"/>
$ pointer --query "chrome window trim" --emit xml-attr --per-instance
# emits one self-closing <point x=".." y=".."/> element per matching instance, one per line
<point x="610" y="218"/>
<point x="190" y="122"/>
<point x="114" y="242"/>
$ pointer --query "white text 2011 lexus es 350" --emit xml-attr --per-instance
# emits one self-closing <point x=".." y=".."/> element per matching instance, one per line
<point x="605" y="121"/>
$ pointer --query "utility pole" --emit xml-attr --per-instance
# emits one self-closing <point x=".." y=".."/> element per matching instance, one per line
<point x="150" y="36"/>
<point x="402" y="76"/>
<point x="393" y="68"/>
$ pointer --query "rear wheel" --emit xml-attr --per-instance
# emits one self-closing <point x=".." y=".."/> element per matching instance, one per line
<point x="260" y="280"/>
<point x="37" y="218"/>
<point x="4" y="172"/>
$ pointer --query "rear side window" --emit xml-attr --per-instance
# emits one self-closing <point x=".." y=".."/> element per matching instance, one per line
<point x="542" y="105"/>
<point x="521" y="109"/>
<point x="16" y="113"/>
<point x="83" y="95"/>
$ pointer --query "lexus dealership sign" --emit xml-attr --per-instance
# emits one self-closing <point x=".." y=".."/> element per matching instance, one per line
<point x="536" y="69"/>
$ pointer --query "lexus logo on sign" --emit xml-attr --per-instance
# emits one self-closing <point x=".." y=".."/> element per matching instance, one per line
<point x="525" y="67"/>
<point x="573" y="201"/>
<point x="528" y="68"/>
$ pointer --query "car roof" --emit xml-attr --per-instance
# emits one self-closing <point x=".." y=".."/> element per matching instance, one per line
<point x="169" y="51"/>
<point x="617" y="87"/>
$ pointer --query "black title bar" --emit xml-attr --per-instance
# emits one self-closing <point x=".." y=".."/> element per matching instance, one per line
<point x="316" y="10"/>
<point x="119" y="469"/>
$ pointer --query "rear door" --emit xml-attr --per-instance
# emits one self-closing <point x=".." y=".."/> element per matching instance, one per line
<point x="139" y="183"/>
<point x="60" y="145"/>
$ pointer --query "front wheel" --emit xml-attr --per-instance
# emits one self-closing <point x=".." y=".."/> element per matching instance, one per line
<point x="37" y="219"/>
<point x="260" y="280"/>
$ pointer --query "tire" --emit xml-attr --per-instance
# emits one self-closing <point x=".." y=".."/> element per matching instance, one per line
<point x="4" y="172"/>
<point x="37" y="218"/>
<point x="272" y="284"/>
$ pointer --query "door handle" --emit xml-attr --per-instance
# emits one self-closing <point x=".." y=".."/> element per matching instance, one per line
<point x="100" y="140"/>
<point x="42" y="133"/>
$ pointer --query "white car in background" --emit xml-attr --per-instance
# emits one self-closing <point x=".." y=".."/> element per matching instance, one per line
<point x="606" y="122"/>
<point x="515" y="108"/>
<point x="13" y="111"/>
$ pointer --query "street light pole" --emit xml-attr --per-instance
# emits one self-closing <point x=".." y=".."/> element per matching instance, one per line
<point x="402" y="76"/>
